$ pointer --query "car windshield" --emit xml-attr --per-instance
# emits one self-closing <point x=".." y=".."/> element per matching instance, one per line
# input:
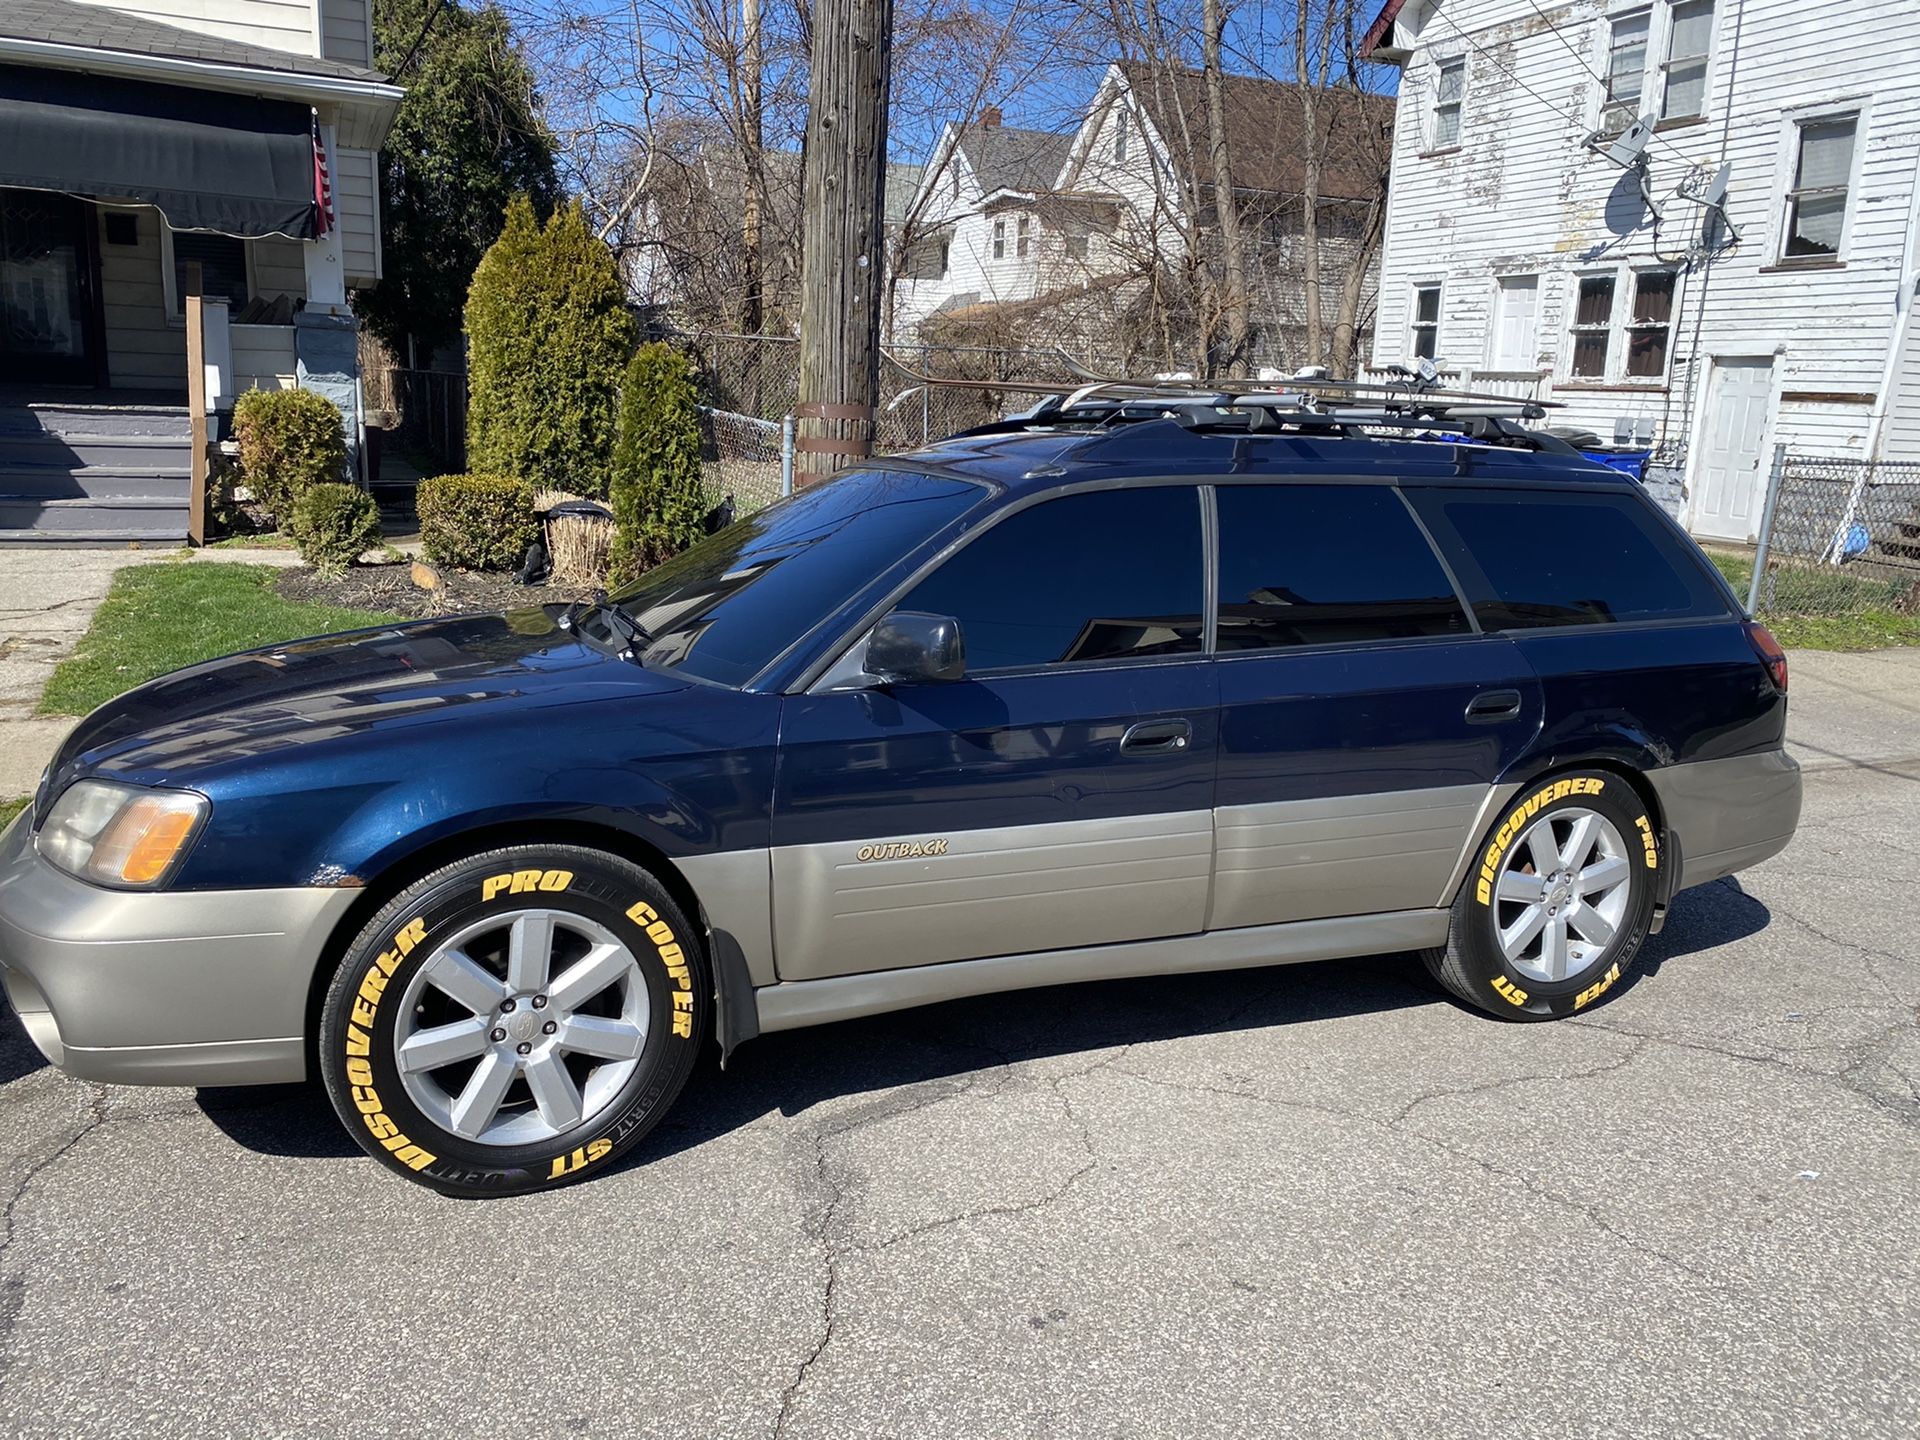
<point x="727" y="608"/>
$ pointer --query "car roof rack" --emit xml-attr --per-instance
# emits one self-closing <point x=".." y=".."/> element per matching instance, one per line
<point x="1308" y="403"/>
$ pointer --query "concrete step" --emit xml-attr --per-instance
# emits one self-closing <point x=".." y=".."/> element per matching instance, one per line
<point x="115" y="517"/>
<point x="68" y="451"/>
<point x="94" y="482"/>
<point x="65" y="418"/>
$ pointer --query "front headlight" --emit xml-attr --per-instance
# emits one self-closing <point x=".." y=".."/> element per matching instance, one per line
<point x="120" y="834"/>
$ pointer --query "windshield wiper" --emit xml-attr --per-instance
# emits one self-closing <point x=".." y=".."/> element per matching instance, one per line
<point x="630" y="632"/>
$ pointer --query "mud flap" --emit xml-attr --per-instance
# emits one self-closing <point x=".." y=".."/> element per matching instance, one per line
<point x="736" y="1018"/>
<point x="1670" y="868"/>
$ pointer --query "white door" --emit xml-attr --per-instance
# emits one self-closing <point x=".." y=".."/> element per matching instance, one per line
<point x="1729" y="478"/>
<point x="1515" y="323"/>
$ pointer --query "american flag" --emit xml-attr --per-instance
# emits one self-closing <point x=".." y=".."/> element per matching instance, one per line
<point x="322" y="183"/>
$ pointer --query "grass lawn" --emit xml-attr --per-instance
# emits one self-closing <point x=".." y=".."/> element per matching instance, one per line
<point x="1827" y="609"/>
<point x="158" y="618"/>
<point x="11" y="808"/>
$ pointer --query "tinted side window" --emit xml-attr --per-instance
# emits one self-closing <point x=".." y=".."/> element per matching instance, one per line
<point x="1322" y="564"/>
<point x="1534" y="558"/>
<point x="1085" y="577"/>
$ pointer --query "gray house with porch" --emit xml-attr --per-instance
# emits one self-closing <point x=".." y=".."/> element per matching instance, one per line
<point x="140" y="140"/>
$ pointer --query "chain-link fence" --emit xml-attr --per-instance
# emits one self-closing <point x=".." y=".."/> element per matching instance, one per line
<point x="745" y="458"/>
<point x="759" y="376"/>
<point x="1838" y="537"/>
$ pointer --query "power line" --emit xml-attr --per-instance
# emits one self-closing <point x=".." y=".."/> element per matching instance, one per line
<point x="1605" y="84"/>
<point x="1508" y="71"/>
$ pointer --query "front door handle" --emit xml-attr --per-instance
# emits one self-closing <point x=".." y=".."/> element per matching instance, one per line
<point x="1157" y="737"/>
<point x="1491" y="705"/>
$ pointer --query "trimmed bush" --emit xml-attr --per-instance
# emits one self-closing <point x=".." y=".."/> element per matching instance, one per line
<point x="659" y="502"/>
<point x="476" y="522"/>
<point x="290" y="441"/>
<point x="547" y="333"/>
<point x="334" y="525"/>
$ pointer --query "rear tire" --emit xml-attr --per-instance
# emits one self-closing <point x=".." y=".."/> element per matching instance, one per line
<point x="516" y="1020"/>
<point x="1557" y="903"/>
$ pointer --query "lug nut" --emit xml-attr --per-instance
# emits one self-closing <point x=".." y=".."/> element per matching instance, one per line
<point x="548" y="1028"/>
<point x="539" y="1002"/>
<point x="525" y="1048"/>
<point x="506" y="1007"/>
<point x="498" y="1035"/>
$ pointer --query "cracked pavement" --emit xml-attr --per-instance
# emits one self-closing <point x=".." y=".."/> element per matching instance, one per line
<point x="1317" y="1200"/>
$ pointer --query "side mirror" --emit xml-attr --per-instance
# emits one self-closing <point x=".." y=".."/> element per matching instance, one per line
<point x="910" y="646"/>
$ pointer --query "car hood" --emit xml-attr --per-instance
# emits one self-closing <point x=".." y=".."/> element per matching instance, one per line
<point x="307" y="691"/>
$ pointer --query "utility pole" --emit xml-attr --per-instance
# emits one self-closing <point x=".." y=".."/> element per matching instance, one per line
<point x="843" y="240"/>
<point x="752" y="305"/>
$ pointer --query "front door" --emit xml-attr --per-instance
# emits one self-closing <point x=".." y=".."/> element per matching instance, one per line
<point x="1363" y="723"/>
<point x="1729" y="481"/>
<point x="45" y="288"/>
<point x="1060" y="795"/>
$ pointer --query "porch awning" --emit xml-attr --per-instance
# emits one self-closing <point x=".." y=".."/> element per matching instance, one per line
<point x="209" y="160"/>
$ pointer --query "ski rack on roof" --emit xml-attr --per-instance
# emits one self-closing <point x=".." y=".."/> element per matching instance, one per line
<point x="1301" y="404"/>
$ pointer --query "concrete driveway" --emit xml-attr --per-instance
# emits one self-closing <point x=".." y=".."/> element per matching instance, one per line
<point x="1319" y="1201"/>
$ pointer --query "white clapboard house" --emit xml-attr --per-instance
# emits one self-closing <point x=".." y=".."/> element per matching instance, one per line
<point x="137" y="138"/>
<point x="1740" y="271"/>
<point x="1037" y="234"/>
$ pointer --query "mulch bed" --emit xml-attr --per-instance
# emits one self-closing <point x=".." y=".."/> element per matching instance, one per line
<point x="391" y="588"/>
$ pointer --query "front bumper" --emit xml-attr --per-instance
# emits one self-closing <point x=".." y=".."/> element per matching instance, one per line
<point x="184" y="988"/>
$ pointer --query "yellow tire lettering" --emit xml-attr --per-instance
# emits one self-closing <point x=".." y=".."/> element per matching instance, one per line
<point x="1511" y="827"/>
<point x="359" y="1046"/>
<point x="643" y="914"/>
<point x="493" y="885"/>
<point x="579" y="1159"/>
<point x="1599" y="987"/>
<point x="556" y="880"/>
<point x="1648" y="847"/>
<point x="1508" y="991"/>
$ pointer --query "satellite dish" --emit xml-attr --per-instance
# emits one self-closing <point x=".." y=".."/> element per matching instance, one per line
<point x="1631" y="143"/>
<point x="1715" y="194"/>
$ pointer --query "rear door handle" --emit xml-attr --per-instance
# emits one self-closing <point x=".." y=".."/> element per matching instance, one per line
<point x="1157" y="737"/>
<point x="1491" y="705"/>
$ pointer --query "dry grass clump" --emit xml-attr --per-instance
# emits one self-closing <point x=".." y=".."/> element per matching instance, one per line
<point x="578" y="545"/>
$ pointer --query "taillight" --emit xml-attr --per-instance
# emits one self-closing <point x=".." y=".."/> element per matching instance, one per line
<point x="1770" y="653"/>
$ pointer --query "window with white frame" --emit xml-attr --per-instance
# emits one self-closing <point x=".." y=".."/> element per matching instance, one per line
<point x="1679" y="33"/>
<point x="1592" y="327"/>
<point x="1634" y="308"/>
<point x="1626" y="70"/>
<point x="1683" y="88"/>
<point x="1023" y="237"/>
<point x="1816" y="219"/>
<point x="999" y="239"/>
<point x="1424" y="341"/>
<point x="1650" y="324"/>
<point x="1449" y="93"/>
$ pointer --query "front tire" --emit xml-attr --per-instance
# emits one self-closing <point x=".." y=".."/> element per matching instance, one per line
<point x="514" y="1021"/>
<point x="1558" y="901"/>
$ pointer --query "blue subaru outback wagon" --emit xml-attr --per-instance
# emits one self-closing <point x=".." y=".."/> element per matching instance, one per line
<point x="1136" y="685"/>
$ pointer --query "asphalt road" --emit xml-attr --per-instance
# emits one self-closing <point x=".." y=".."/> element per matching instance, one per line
<point x="1319" y="1200"/>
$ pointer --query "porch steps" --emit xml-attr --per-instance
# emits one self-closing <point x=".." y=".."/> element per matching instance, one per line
<point x="101" y="473"/>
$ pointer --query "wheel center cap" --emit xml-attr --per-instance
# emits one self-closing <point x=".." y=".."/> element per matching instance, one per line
<point x="523" y="1026"/>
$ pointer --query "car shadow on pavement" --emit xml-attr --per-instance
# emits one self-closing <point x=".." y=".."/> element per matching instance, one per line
<point x="795" y="1070"/>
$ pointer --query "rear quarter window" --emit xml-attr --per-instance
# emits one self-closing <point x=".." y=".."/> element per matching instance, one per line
<point x="1534" y="558"/>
